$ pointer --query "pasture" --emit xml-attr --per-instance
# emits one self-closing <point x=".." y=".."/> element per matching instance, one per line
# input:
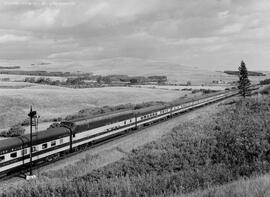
<point x="52" y="102"/>
<point x="179" y="87"/>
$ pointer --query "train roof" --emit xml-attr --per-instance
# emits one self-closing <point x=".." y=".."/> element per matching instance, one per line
<point x="151" y="108"/>
<point x="117" y="114"/>
<point x="126" y="113"/>
<point x="101" y="116"/>
<point x="182" y="101"/>
<point x="38" y="137"/>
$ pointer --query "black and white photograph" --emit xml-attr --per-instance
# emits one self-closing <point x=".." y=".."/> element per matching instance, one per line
<point x="134" y="98"/>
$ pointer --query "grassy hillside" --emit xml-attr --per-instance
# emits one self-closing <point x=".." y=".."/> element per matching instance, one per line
<point x="194" y="156"/>
<point x="52" y="102"/>
<point x="253" y="187"/>
<point x="265" y="89"/>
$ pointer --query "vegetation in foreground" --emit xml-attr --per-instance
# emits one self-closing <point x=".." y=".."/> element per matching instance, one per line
<point x="192" y="157"/>
<point x="253" y="187"/>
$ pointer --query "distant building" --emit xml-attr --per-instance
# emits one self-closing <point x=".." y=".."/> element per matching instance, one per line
<point x="218" y="82"/>
<point x="159" y="79"/>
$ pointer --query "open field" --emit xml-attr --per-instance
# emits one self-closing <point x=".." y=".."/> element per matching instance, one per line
<point x="176" y="87"/>
<point x="14" y="85"/>
<point x="53" y="102"/>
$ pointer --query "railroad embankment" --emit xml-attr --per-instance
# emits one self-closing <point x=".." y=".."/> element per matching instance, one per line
<point x="231" y="144"/>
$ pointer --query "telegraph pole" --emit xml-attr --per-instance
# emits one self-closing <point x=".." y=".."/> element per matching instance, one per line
<point x="31" y="115"/>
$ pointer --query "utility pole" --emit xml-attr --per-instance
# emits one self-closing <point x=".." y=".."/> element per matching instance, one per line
<point x="31" y="115"/>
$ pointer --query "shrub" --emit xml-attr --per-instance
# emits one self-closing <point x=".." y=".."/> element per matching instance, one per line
<point x="265" y="82"/>
<point x="14" y="131"/>
<point x="242" y="138"/>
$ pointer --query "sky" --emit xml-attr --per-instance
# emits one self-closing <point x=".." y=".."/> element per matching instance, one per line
<point x="214" y="34"/>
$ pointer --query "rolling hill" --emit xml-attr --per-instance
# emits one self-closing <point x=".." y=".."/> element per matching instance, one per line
<point x="175" y="72"/>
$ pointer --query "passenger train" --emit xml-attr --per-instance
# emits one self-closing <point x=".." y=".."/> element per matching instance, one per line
<point x="77" y="134"/>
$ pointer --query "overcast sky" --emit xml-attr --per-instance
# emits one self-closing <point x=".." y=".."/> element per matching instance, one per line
<point x="204" y="33"/>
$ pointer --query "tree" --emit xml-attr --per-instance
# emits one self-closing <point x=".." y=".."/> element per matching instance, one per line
<point x="133" y="80"/>
<point x="106" y="80"/>
<point x="99" y="79"/>
<point x="15" y="131"/>
<point x="244" y="82"/>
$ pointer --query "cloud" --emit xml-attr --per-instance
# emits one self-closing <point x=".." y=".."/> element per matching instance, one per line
<point x="201" y="33"/>
<point x="7" y="38"/>
<point x="231" y="29"/>
<point x="41" y="18"/>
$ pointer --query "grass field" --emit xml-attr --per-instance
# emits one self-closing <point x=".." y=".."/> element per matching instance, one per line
<point x="15" y="85"/>
<point x="176" y="87"/>
<point x="253" y="187"/>
<point x="52" y="102"/>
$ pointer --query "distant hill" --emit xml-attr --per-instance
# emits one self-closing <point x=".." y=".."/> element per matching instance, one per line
<point x="250" y="73"/>
<point x="10" y="67"/>
<point x="137" y="67"/>
<point x="175" y="72"/>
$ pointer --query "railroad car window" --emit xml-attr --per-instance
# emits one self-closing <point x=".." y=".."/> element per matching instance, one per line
<point x="24" y="151"/>
<point x="2" y="158"/>
<point x="13" y="155"/>
<point x="61" y="141"/>
<point x="34" y="149"/>
<point x="74" y="135"/>
<point x="53" y="143"/>
<point x="44" y="146"/>
<point x="130" y="121"/>
<point x="125" y="122"/>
